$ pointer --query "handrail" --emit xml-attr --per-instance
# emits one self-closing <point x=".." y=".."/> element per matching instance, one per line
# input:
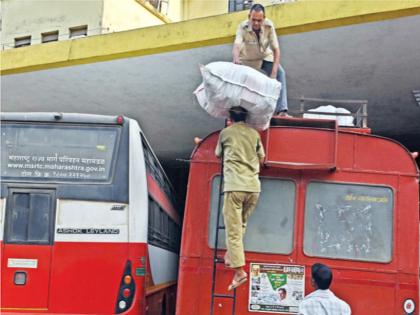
<point x="357" y="108"/>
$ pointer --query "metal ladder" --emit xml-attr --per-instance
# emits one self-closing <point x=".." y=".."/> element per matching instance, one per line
<point x="216" y="258"/>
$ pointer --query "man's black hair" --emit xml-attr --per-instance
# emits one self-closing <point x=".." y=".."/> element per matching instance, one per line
<point x="322" y="276"/>
<point x="257" y="8"/>
<point x="238" y="114"/>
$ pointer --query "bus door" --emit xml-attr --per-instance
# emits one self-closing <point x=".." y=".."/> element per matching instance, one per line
<point x="26" y="257"/>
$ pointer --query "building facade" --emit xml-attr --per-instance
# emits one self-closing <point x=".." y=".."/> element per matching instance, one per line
<point x="31" y="22"/>
<point x="34" y="22"/>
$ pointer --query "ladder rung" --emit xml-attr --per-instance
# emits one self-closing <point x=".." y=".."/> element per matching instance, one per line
<point x="219" y="260"/>
<point x="226" y="296"/>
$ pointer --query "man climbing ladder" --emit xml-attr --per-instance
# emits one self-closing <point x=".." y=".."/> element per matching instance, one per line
<point x="240" y="147"/>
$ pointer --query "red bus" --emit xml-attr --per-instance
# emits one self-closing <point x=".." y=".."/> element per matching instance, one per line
<point x="88" y="223"/>
<point x="338" y="196"/>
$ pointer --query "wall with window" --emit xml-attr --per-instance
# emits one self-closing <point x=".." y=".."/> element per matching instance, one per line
<point x="33" y="21"/>
<point x="41" y="19"/>
<point x="193" y="9"/>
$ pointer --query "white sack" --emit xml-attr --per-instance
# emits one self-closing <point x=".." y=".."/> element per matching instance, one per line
<point x="227" y="85"/>
<point x="341" y="120"/>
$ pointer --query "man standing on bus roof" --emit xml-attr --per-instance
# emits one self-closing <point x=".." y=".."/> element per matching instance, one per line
<point x="322" y="301"/>
<point x="240" y="147"/>
<point x="256" y="45"/>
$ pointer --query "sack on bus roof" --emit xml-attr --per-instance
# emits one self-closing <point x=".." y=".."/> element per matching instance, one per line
<point x="227" y="85"/>
<point x="347" y="121"/>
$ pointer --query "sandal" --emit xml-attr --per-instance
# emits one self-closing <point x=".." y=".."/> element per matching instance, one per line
<point x="237" y="283"/>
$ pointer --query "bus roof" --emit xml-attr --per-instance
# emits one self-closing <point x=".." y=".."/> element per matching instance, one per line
<point x="343" y="148"/>
<point x="59" y="117"/>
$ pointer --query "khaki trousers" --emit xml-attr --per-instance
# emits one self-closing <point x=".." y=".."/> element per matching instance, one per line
<point x="238" y="206"/>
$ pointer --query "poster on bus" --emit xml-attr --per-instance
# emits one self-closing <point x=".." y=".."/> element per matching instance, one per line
<point x="276" y="288"/>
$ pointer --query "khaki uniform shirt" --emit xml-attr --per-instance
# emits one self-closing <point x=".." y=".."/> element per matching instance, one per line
<point x="242" y="150"/>
<point x="254" y="51"/>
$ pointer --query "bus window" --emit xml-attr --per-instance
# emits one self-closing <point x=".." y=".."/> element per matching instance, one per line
<point x="348" y="221"/>
<point x="270" y="228"/>
<point x="29" y="218"/>
<point x="153" y="167"/>
<point x="57" y="152"/>
<point x="163" y="231"/>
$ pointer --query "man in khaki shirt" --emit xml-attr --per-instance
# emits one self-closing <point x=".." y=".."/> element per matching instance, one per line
<point x="240" y="147"/>
<point x="256" y="46"/>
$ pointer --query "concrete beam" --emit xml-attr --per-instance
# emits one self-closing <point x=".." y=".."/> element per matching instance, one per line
<point x="301" y="16"/>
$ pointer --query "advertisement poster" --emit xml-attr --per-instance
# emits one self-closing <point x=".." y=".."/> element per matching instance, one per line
<point x="276" y="288"/>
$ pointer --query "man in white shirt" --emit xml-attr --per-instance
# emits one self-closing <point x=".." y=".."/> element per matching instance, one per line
<point x="322" y="301"/>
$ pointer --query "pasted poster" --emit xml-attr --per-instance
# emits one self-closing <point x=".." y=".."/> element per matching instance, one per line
<point x="276" y="288"/>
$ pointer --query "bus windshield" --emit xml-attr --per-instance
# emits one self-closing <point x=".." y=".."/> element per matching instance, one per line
<point x="52" y="152"/>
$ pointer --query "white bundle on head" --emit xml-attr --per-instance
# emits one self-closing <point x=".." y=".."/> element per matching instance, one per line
<point x="227" y="85"/>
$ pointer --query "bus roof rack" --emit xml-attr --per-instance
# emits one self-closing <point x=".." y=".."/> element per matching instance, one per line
<point x="353" y="111"/>
<point x="302" y="122"/>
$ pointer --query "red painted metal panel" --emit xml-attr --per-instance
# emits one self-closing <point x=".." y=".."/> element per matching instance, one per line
<point x="84" y="278"/>
<point x="96" y="270"/>
<point x="345" y="150"/>
<point x="35" y="293"/>
<point x="290" y="147"/>
<point x="407" y="208"/>
<point x="375" y="153"/>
